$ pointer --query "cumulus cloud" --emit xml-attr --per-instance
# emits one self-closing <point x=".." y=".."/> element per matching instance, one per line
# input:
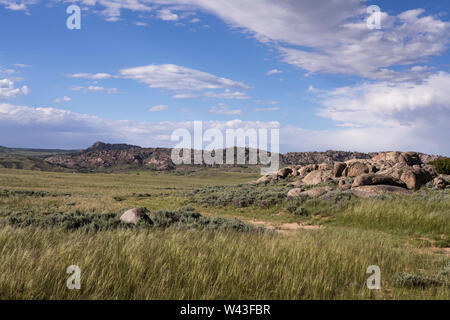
<point x="9" y="91"/>
<point x="387" y="104"/>
<point x="56" y="128"/>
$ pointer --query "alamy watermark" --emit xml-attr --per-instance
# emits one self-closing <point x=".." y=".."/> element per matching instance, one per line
<point x="74" y="281"/>
<point x="374" y="19"/>
<point x="218" y="141"/>
<point x="374" y="281"/>
<point x="74" y="20"/>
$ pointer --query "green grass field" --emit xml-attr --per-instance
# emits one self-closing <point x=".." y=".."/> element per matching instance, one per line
<point x="321" y="253"/>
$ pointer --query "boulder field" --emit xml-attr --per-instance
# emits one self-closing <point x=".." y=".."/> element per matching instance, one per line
<point x="385" y="172"/>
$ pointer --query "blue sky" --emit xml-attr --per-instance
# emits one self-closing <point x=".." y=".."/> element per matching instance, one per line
<point x="139" y="69"/>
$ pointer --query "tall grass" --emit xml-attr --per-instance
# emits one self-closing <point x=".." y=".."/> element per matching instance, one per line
<point x="169" y="264"/>
<point x="416" y="215"/>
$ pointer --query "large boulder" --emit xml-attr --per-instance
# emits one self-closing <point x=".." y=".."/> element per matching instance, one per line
<point x="132" y="216"/>
<point x="326" y="166"/>
<point x="303" y="171"/>
<point x="283" y="173"/>
<point x="392" y="157"/>
<point x="294" y="171"/>
<point x="376" y="179"/>
<point x="318" y="176"/>
<point x="415" y="178"/>
<point x="410" y="158"/>
<point x="318" y="192"/>
<point x="431" y="170"/>
<point x="370" y="191"/>
<point x="267" y="179"/>
<point x="312" y="193"/>
<point x="441" y="182"/>
<point x="293" y="193"/>
<point x="339" y="168"/>
<point x="356" y="169"/>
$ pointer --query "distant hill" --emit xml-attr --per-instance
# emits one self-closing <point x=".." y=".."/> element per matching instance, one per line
<point x="41" y="153"/>
<point x="105" y="157"/>
<point x="30" y="159"/>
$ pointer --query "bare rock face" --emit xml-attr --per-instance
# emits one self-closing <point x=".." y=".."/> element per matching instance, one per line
<point x="356" y="169"/>
<point x="338" y="169"/>
<point x="132" y="216"/>
<point x="377" y="179"/>
<point x="370" y="191"/>
<point x="415" y="178"/>
<point x="318" y="176"/>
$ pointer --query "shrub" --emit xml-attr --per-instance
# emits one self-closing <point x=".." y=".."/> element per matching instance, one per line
<point x="416" y="280"/>
<point x="300" y="211"/>
<point x="240" y="196"/>
<point x="442" y="165"/>
<point x="92" y="222"/>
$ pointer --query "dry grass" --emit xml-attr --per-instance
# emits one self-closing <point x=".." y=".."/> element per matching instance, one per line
<point x="146" y="263"/>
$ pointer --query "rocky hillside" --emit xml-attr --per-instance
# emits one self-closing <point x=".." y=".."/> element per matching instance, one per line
<point x="101" y="156"/>
<point x="104" y="157"/>
<point x="384" y="172"/>
<point x="304" y="158"/>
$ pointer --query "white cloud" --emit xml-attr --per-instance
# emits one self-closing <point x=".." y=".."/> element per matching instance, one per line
<point x="273" y="71"/>
<point x="167" y="15"/>
<point x="141" y="24"/>
<point x="330" y="37"/>
<point x="65" y="98"/>
<point x="385" y="104"/>
<point x="9" y="91"/>
<point x="96" y="76"/>
<point x="16" y="5"/>
<point x="183" y="81"/>
<point x="158" y="108"/>
<point x="267" y="109"/>
<point x="224" y="110"/>
<point x="56" y="128"/>
<point x="94" y="89"/>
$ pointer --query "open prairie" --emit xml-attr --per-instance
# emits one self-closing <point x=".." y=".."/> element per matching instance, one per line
<point x="51" y="220"/>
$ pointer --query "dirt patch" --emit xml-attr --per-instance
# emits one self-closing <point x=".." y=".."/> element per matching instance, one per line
<point x="285" y="227"/>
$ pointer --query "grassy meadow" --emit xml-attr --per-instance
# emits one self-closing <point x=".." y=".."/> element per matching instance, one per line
<point x="310" y="249"/>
